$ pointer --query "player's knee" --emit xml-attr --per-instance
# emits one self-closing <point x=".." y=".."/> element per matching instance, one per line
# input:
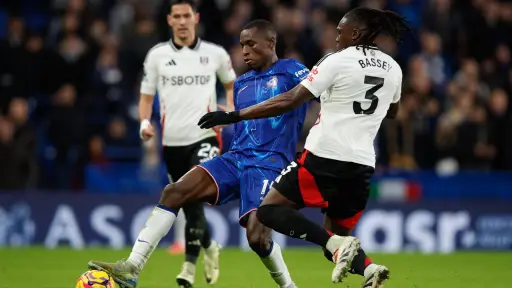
<point x="258" y="236"/>
<point x="173" y="196"/>
<point x="259" y="242"/>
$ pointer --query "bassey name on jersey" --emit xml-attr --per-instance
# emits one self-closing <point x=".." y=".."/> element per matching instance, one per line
<point x="372" y="62"/>
<point x="186" y="80"/>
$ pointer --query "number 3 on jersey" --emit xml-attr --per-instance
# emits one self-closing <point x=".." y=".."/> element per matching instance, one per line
<point x="378" y="82"/>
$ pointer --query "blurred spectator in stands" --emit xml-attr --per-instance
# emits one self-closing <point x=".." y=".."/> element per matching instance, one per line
<point x="117" y="133"/>
<point x="508" y="86"/>
<point x="474" y="148"/>
<point x="431" y="54"/>
<point x="501" y="125"/>
<point x="24" y="140"/>
<point x="18" y="168"/>
<point x="122" y="145"/>
<point x="442" y="19"/>
<point x="67" y="132"/>
<point x="469" y="77"/>
<point x="68" y="23"/>
<point x="446" y="136"/>
<point x="73" y="63"/>
<point x="407" y="143"/>
<point x="121" y="15"/>
<point x="400" y="138"/>
<point x="232" y="27"/>
<point x="317" y="21"/>
<point x="97" y="151"/>
<point x="140" y="37"/>
<point x="237" y="60"/>
<point x="326" y="43"/>
<point x="10" y="50"/>
<point x="15" y="32"/>
<point x="484" y="21"/>
<point x="465" y="135"/>
<point x="98" y="32"/>
<point x="9" y="177"/>
<point x="32" y="68"/>
<point x="107" y="96"/>
<point x="503" y="62"/>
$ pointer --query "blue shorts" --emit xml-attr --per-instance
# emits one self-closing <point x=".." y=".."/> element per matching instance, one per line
<point x="249" y="184"/>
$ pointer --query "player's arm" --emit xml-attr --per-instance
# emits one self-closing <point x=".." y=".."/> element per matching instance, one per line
<point x="147" y="96"/>
<point x="227" y="76"/>
<point x="395" y="104"/>
<point x="278" y="105"/>
<point x="230" y="99"/>
<point x="319" y="79"/>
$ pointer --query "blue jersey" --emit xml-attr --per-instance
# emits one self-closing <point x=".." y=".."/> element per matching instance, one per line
<point x="270" y="142"/>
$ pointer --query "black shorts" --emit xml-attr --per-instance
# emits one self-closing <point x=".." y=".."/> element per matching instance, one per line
<point x="180" y="159"/>
<point x="340" y="188"/>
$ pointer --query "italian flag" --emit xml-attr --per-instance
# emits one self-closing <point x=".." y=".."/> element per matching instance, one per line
<point x="395" y="190"/>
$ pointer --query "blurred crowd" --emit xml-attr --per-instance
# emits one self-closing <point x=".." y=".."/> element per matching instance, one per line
<point x="70" y="73"/>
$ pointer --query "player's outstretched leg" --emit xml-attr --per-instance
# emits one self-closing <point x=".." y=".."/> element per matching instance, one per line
<point x="374" y="274"/>
<point x="260" y="241"/>
<point x="194" y="186"/>
<point x="280" y="214"/>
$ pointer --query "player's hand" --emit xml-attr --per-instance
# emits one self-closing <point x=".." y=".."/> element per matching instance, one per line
<point x="146" y="131"/>
<point x="212" y="119"/>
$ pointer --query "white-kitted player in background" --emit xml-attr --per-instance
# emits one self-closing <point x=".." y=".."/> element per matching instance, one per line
<point x="184" y="72"/>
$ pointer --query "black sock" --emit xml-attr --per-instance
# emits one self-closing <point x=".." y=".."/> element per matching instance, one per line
<point x="194" y="231"/>
<point x="361" y="261"/>
<point x="193" y="237"/>
<point x="291" y="222"/>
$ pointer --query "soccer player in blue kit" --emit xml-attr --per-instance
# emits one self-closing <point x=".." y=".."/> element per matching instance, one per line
<point x="259" y="150"/>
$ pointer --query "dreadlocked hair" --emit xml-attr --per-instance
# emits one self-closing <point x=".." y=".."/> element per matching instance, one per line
<point x="379" y="22"/>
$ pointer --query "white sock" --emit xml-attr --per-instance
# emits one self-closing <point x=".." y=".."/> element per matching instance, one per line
<point x="334" y="243"/>
<point x="157" y="226"/>
<point x="277" y="267"/>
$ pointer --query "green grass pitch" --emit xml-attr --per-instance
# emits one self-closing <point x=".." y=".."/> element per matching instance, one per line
<point x="38" y="267"/>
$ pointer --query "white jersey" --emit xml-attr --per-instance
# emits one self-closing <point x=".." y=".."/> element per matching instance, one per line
<point x="356" y="90"/>
<point x="185" y="78"/>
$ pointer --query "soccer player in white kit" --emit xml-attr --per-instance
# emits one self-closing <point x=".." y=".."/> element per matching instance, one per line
<point x="358" y="87"/>
<point x="184" y="71"/>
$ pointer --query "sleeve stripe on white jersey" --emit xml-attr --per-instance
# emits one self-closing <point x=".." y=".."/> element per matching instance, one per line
<point x="323" y="58"/>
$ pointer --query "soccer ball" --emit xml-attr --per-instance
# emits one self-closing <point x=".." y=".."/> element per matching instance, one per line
<point x="96" y="279"/>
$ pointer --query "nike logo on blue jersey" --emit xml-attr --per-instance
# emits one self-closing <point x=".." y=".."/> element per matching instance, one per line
<point x="243" y="89"/>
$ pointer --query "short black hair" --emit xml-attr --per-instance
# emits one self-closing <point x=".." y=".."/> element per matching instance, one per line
<point x="192" y="3"/>
<point x="262" y="25"/>
<point x="379" y="22"/>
